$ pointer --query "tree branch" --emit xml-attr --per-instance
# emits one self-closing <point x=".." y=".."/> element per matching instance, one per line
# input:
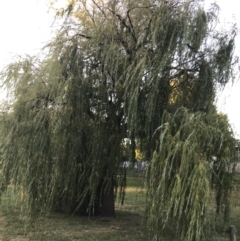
<point x="83" y="35"/>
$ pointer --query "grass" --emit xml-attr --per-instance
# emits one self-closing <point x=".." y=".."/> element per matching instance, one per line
<point x="58" y="227"/>
<point x="128" y="224"/>
<point x="219" y="228"/>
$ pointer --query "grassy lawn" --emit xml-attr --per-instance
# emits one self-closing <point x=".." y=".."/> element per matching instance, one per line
<point x="128" y="224"/>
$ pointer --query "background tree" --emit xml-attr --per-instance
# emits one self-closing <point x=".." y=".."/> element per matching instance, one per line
<point x="145" y="70"/>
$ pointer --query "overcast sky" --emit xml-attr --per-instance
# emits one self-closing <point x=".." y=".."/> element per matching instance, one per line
<point x="228" y="101"/>
<point x="26" y="26"/>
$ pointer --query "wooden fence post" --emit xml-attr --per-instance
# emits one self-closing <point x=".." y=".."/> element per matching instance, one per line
<point x="232" y="233"/>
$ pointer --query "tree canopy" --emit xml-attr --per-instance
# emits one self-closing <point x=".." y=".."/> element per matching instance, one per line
<point x="146" y="71"/>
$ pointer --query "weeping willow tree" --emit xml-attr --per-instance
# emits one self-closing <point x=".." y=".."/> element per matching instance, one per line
<point x="142" y="70"/>
<point x="185" y="144"/>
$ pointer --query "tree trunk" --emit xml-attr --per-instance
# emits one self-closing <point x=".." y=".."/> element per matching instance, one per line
<point x="232" y="233"/>
<point x="108" y="203"/>
<point x="105" y="200"/>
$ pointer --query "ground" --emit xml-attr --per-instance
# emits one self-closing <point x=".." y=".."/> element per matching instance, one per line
<point x="128" y="224"/>
<point x="61" y="227"/>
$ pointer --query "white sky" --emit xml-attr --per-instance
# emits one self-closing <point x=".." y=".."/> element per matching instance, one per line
<point x="229" y="100"/>
<point x="25" y="26"/>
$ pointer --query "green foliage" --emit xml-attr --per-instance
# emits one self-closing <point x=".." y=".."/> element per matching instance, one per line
<point x="179" y="174"/>
<point x="107" y="77"/>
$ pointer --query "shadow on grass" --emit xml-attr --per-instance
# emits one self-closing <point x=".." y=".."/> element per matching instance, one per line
<point x="126" y="226"/>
